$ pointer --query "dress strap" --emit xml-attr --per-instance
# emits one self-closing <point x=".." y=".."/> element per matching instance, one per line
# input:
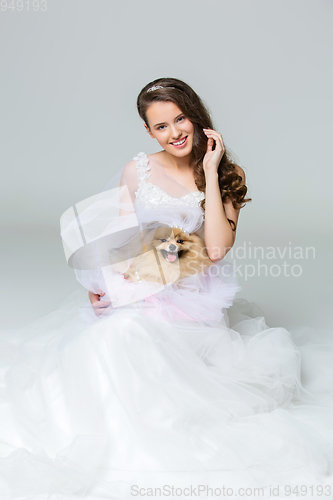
<point x="143" y="167"/>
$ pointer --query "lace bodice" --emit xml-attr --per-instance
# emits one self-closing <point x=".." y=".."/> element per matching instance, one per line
<point x="150" y="194"/>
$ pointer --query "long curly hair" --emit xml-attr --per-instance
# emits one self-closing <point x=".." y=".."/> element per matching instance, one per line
<point x="181" y="94"/>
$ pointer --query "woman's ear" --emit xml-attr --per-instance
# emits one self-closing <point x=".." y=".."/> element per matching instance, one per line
<point x="149" y="132"/>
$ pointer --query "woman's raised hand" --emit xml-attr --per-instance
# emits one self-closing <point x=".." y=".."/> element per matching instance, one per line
<point x="99" y="306"/>
<point x="212" y="157"/>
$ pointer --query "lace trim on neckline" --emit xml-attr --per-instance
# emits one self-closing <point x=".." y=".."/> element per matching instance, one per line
<point x="143" y="167"/>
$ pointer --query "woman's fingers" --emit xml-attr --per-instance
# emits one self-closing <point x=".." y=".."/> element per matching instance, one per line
<point x="218" y="139"/>
<point x="104" y="303"/>
<point x="212" y="134"/>
<point x="210" y="144"/>
<point x="101" y="306"/>
<point x="93" y="297"/>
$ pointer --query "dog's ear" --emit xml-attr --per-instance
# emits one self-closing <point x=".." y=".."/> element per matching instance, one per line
<point x="181" y="234"/>
<point x="163" y="232"/>
<point x="178" y="234"/>
<point x="196" y="238"/>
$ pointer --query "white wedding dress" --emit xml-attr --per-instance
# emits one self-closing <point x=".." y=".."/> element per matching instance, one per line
<point x="195" y="391"/>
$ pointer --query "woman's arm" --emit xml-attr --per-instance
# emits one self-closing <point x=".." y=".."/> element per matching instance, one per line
<point x="219" y="236"/>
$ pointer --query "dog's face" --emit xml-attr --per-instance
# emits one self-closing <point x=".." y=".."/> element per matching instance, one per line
<point x="173" y="243"/>
<point x="170" y="256"/>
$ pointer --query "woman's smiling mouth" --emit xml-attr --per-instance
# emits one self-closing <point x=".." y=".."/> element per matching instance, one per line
<point x="180" y="143"/>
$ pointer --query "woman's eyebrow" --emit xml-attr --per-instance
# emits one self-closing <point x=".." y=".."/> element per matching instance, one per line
<point x="157" y="124"/>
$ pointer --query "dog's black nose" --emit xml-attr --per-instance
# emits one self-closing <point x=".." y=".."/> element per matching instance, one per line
<point x="172" y="248"/>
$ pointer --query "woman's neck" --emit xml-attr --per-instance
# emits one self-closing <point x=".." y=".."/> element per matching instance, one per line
<point x="176" y="164"/>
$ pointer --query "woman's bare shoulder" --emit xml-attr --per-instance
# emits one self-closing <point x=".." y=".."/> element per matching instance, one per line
<point x="129" y="171"/>
<point x="130" y="166"/>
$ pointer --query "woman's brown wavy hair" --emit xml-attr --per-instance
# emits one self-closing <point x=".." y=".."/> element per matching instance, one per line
<point x="194" y="109"/>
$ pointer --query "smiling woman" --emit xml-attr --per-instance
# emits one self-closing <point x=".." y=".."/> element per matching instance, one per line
<point x="176" y="117"/>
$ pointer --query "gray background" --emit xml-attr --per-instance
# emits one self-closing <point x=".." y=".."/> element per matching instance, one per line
<point x="69" y="81"/>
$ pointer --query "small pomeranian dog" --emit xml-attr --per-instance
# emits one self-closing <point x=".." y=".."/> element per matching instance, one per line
<point x="170" y="256"/>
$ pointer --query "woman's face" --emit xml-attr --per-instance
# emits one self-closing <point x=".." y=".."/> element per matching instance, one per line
<point x="169" y="126"/>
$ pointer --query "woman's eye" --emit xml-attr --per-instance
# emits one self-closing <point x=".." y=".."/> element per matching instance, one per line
<point x="161" y="127"/>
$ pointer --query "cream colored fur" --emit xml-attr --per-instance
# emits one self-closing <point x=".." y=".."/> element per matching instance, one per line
<point x="153" y="264"/>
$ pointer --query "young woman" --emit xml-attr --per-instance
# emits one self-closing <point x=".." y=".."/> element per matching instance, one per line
<point x="166" y="381"/>
<point x="195" y="156"/>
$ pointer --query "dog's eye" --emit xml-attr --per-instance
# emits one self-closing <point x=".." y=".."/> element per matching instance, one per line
<point x="163" y="240"/>
<point x="180" y="241"/>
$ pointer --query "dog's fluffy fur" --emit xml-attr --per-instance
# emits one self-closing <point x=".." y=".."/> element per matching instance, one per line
<point x="170" y="256"/>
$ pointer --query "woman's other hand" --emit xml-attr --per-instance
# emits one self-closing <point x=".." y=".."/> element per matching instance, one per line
<point x="99" y="306"/>
<point x="212" y="157"/>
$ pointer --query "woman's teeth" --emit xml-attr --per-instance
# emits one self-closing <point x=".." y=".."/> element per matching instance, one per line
<point x="180" y="143"/>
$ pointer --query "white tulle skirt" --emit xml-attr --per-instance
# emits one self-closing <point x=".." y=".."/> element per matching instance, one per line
<point x="133" y="406"/>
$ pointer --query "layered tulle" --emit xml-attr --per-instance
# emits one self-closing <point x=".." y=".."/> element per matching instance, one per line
<point x="176" y="385"/>
<point x="89" y="410"/>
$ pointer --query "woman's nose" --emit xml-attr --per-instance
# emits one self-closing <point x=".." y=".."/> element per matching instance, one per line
<point x="176" y="133"/>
